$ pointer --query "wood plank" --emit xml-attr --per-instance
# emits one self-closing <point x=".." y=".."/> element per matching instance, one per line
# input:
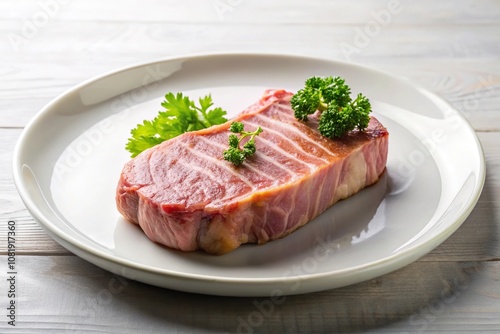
<point x="66" y="293"/>
<point x="449" y="65"/>
<point x="473" y="88"/>
<point x="479" y="236"/>
<point x="477" y="239"/>
<point x="30" y="236"/>
<point x="257" y="11"/>
<point x="458" y="41"/>
<point x="448" y="47"/>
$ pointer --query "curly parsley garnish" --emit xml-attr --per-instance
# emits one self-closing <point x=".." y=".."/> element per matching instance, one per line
<point x="331" y="96"/>
<point x="234" y="153"/>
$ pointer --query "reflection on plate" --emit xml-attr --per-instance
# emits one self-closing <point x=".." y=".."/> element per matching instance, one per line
<point x="68" y="160"/>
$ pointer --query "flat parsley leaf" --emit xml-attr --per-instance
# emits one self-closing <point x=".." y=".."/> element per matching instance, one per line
<point x="180" y="115"/>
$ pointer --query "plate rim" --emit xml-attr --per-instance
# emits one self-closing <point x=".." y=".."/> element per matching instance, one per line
<point x="87" y="252"/>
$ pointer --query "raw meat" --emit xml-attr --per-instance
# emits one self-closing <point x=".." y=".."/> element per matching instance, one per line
<point x="185" y="196"/>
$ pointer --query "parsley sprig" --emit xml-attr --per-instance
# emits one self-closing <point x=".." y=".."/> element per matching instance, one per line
<point x="181" y="115"/>
<point x="332" y="97"/>
<point x="234" y="153"/>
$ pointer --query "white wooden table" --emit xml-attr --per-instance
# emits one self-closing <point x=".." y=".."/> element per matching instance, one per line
<point x="450" y="47"/>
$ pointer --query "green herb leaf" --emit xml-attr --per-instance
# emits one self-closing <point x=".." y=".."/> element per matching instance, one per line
<point x="180" y="115"/>
<point x="332" y="97"/>
<point x="234" y="153"/>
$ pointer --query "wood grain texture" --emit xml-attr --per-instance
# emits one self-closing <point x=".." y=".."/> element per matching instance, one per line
<point x="452" y="52"/>
<point x="449" y="47"/>
<point x="435" y="296"/>
<point x="293" y="11"/>
<point x="477" y="239"/>
<point x="472" y="87"/>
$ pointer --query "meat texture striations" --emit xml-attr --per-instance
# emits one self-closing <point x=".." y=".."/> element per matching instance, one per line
<point x="184" y="195"/>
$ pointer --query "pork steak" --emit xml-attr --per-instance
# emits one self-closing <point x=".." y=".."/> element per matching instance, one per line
<point x="184" y="195"/>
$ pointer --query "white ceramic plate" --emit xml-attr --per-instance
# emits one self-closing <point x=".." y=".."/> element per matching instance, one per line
<point x="68" y="160"/>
